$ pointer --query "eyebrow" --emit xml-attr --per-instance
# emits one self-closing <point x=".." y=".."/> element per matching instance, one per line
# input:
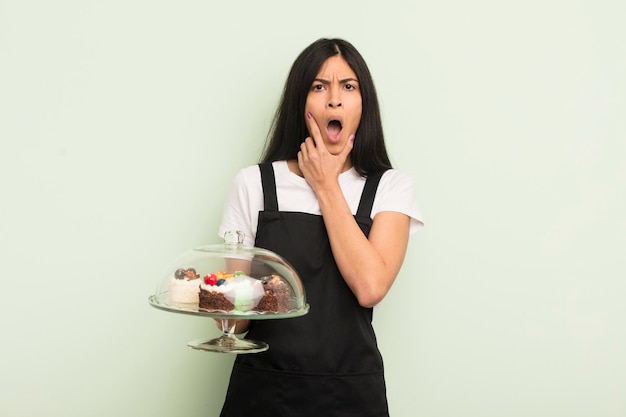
<point x="343" y="81"/>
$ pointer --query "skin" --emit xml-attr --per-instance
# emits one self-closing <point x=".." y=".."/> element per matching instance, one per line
<point x="368" y="265"/>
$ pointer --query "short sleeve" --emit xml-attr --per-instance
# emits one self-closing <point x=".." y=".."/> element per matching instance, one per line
<point x="242" y="205"/>
<point x="396" y="192"/>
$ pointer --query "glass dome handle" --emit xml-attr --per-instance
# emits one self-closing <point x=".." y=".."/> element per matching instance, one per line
<point x="233" y="237"/>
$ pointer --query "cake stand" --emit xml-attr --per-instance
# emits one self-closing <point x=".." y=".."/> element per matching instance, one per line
<point x="229" y="257"/>
<point x="227" y="342"/>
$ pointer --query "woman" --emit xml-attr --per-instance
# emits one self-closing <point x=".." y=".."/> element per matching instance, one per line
<point x="325" y="198"/>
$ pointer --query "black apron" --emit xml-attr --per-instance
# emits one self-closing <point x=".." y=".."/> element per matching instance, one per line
<point x="327" y="362"/>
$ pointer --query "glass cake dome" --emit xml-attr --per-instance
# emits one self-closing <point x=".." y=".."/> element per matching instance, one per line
<point x="231" y="282"/>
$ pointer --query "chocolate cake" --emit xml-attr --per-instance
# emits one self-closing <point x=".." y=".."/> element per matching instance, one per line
<point x="210" y="300"/>
<point x="276" y="296"/>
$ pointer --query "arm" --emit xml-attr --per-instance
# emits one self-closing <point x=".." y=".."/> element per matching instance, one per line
<point x="369" y="266"/>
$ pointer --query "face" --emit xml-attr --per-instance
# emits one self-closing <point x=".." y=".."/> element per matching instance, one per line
<point x="334" y="100"/>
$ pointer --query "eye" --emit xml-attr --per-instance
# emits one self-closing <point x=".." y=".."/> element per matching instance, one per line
<point x="350" y="87"/>
<point x="317" y="87"/>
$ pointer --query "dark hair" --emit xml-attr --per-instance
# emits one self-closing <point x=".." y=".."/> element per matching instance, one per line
<point x="289" y="129"/>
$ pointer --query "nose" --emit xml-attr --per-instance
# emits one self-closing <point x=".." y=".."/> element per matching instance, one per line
<point x="334" y="104"/>
<point x="334" y="99"/>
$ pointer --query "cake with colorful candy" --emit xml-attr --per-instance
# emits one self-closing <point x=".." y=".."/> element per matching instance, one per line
<point x="229" y="292"/>
<point x="240" y="293"/>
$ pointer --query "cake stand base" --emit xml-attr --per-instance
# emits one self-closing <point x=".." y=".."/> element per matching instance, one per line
<point x="229" y="343"/>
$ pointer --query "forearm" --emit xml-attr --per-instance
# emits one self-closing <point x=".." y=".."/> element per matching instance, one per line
<point x="369" y="266"/>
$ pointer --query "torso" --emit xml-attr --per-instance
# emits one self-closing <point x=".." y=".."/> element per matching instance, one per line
<point x="331" y="353"/>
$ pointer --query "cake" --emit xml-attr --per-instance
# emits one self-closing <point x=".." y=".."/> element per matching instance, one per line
<point x="276" y="295"/>
<point x="229" y="292"/>
<point x="184" y="286"/>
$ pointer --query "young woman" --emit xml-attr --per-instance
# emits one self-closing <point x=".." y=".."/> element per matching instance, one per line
<point x="324" y="197"/>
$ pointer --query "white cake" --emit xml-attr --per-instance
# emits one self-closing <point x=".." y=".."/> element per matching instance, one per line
<point x="184" y="287"/>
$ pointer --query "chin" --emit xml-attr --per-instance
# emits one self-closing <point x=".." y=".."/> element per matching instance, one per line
<point x="335" y="149"/>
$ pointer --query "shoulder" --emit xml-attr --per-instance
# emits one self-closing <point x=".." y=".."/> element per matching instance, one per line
<point x="396" y="180"/>
<point x="248" y="180"/>
<point x="396" y="192"/>
<point x="396" y="175"/>
<point x="252" y="173"/>
<point x="247" y="174"/>
<point x="395" y="183"/>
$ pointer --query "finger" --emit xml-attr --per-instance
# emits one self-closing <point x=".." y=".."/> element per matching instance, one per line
<point x="315" y="131"/>
<point x="300" y="160"/>
<point x="306" y="147"/>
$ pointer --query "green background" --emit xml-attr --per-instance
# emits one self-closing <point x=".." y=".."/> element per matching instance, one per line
<point x="123" y="122"/>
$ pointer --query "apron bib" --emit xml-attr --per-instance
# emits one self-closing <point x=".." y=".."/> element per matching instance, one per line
<point x="327" y="362"/>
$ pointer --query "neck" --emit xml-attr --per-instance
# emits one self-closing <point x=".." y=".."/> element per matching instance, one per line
<point x="293" y="167"/>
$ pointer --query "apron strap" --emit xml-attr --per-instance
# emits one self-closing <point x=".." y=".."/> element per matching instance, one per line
<point x="269" y="187"/>
<point x="369" y="192"/>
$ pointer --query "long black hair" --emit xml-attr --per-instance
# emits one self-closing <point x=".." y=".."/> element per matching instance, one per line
<point x="289" y="129"/>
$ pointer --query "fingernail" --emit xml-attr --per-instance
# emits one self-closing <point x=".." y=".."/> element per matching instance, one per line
<point x="308" y="116"/>
<point x="351" y="138"/>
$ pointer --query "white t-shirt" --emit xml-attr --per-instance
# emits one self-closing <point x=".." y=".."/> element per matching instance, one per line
<point x="245" y="199"/>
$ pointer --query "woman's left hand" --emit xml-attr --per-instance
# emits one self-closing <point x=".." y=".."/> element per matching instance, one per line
<point x="320" y="167"/>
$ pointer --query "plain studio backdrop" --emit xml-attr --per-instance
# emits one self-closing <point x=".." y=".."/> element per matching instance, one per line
<point x="122" y="124"/>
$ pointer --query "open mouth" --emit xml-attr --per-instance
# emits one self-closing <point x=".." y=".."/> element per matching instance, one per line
<point x="334" y="130"/>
